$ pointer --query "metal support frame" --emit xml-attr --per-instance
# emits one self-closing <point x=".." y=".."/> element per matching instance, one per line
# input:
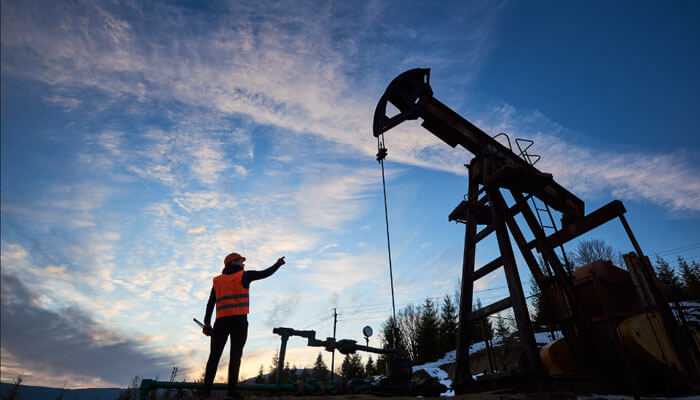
<point x="501" y="219"/>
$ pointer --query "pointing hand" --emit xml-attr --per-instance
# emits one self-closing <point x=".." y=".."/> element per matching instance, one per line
<point x="280" y="262"/>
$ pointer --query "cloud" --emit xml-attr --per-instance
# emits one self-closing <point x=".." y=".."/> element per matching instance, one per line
<point x="333" y="198"/>
<point x="670" y="180"/>
<point x="208" y="162"/>
<point x="338" y="271"/>
<point x="197" y="230"/>
<point x="197" y="201"/>
<point x="300" y="78"/>
<point x="69" y="341"/>
<point x="66" y="102"/>
<point x="303" y="79"/>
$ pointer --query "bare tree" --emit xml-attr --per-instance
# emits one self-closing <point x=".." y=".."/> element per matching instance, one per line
<point x="589" y="251"/>
<point x="409" y="321"/>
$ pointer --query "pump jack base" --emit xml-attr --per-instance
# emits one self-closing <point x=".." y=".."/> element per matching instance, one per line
<point x="528" y="384"/>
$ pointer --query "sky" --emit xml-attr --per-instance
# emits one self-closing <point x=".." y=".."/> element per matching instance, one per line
<point x="142" y="142"/>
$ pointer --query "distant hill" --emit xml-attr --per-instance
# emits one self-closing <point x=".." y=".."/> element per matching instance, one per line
<point x="48" y="393"/>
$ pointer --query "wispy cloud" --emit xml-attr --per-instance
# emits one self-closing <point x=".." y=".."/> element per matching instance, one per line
<point x="66" y="102"/>
<point x="273" y="76"/>
<point x="670" y="180"/>
<point x="326" y="272"/>
<point x="297" y="79"/>
<point x="332" y="198"/>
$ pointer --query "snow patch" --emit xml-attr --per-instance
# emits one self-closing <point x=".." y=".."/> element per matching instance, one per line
<point x="691" y="311"/>
<point x="433" y="368"/>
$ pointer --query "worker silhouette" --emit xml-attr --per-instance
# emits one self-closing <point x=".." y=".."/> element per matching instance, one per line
<point x="230" y="294"/>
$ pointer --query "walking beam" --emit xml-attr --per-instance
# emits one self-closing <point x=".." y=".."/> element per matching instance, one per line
<point x="412" y="95"/>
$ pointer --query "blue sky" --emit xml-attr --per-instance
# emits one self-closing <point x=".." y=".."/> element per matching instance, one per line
<point x="142" y="143"/>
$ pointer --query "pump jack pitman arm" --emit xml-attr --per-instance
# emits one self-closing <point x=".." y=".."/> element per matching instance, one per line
<point x="344" y="346"/>
<point x="412" y="95"/>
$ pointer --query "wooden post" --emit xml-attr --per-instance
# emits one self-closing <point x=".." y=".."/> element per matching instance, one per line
<point x="463" y="376"/>
<point x="630" y="234"/>
<point x="280" y="358"/>
<point x="522" y="316"/>
<point x="335" y="323"/>
<point x="521" y="242"/>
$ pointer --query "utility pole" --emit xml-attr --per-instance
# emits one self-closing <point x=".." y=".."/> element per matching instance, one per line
<point x="335" y="322"/>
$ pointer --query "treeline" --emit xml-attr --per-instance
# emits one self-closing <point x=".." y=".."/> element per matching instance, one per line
<point x="682" y="281"/>
<point x="351" y="367"/>
<point x="424" y="333"/>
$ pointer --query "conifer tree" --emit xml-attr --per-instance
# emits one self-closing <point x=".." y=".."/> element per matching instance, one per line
<point x="690" y="276"/>
<point x="370" y="370"/>
<point x="320" y="371"/>
<point x="427" y="335"/>
<point x="392" y="337"/>
<point x="293" y="374"/>
<point x="352" y="367"/>
<point x="272" y="377"/>
<point x="261" y="375"/>
<point x="502" y="332"/>
<point x="358" y="366"/>
<point x="667" y="276"/>
<point x="482" y="329"/>
<point x="286" y="373"/>
<point x="542" y="311"/>
<point x="447" y="325"/>
<point x="345" y="368"/>
<point x="380" y="366"/>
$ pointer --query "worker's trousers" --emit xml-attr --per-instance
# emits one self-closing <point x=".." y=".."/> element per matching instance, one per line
<point x="237" y="328"/>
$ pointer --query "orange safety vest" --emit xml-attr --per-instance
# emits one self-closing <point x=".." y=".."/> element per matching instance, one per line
<point x="231" y="297"/>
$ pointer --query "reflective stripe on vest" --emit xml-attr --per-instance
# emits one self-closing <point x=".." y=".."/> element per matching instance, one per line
<point x="231" y="297"/>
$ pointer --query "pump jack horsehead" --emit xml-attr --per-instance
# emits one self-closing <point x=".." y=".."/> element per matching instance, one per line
<point x="595" y="342"/>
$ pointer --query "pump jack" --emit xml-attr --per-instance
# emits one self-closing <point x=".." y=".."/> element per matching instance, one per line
<point x="494" y="168"/>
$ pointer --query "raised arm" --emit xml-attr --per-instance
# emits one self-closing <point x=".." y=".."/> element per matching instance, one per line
<point x="250" y="276"/>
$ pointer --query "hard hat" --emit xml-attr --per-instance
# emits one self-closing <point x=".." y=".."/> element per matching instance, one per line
<point x="233" y="257"/>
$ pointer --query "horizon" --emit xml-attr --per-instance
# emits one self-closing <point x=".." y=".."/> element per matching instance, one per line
<point x="143" y="143"/>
